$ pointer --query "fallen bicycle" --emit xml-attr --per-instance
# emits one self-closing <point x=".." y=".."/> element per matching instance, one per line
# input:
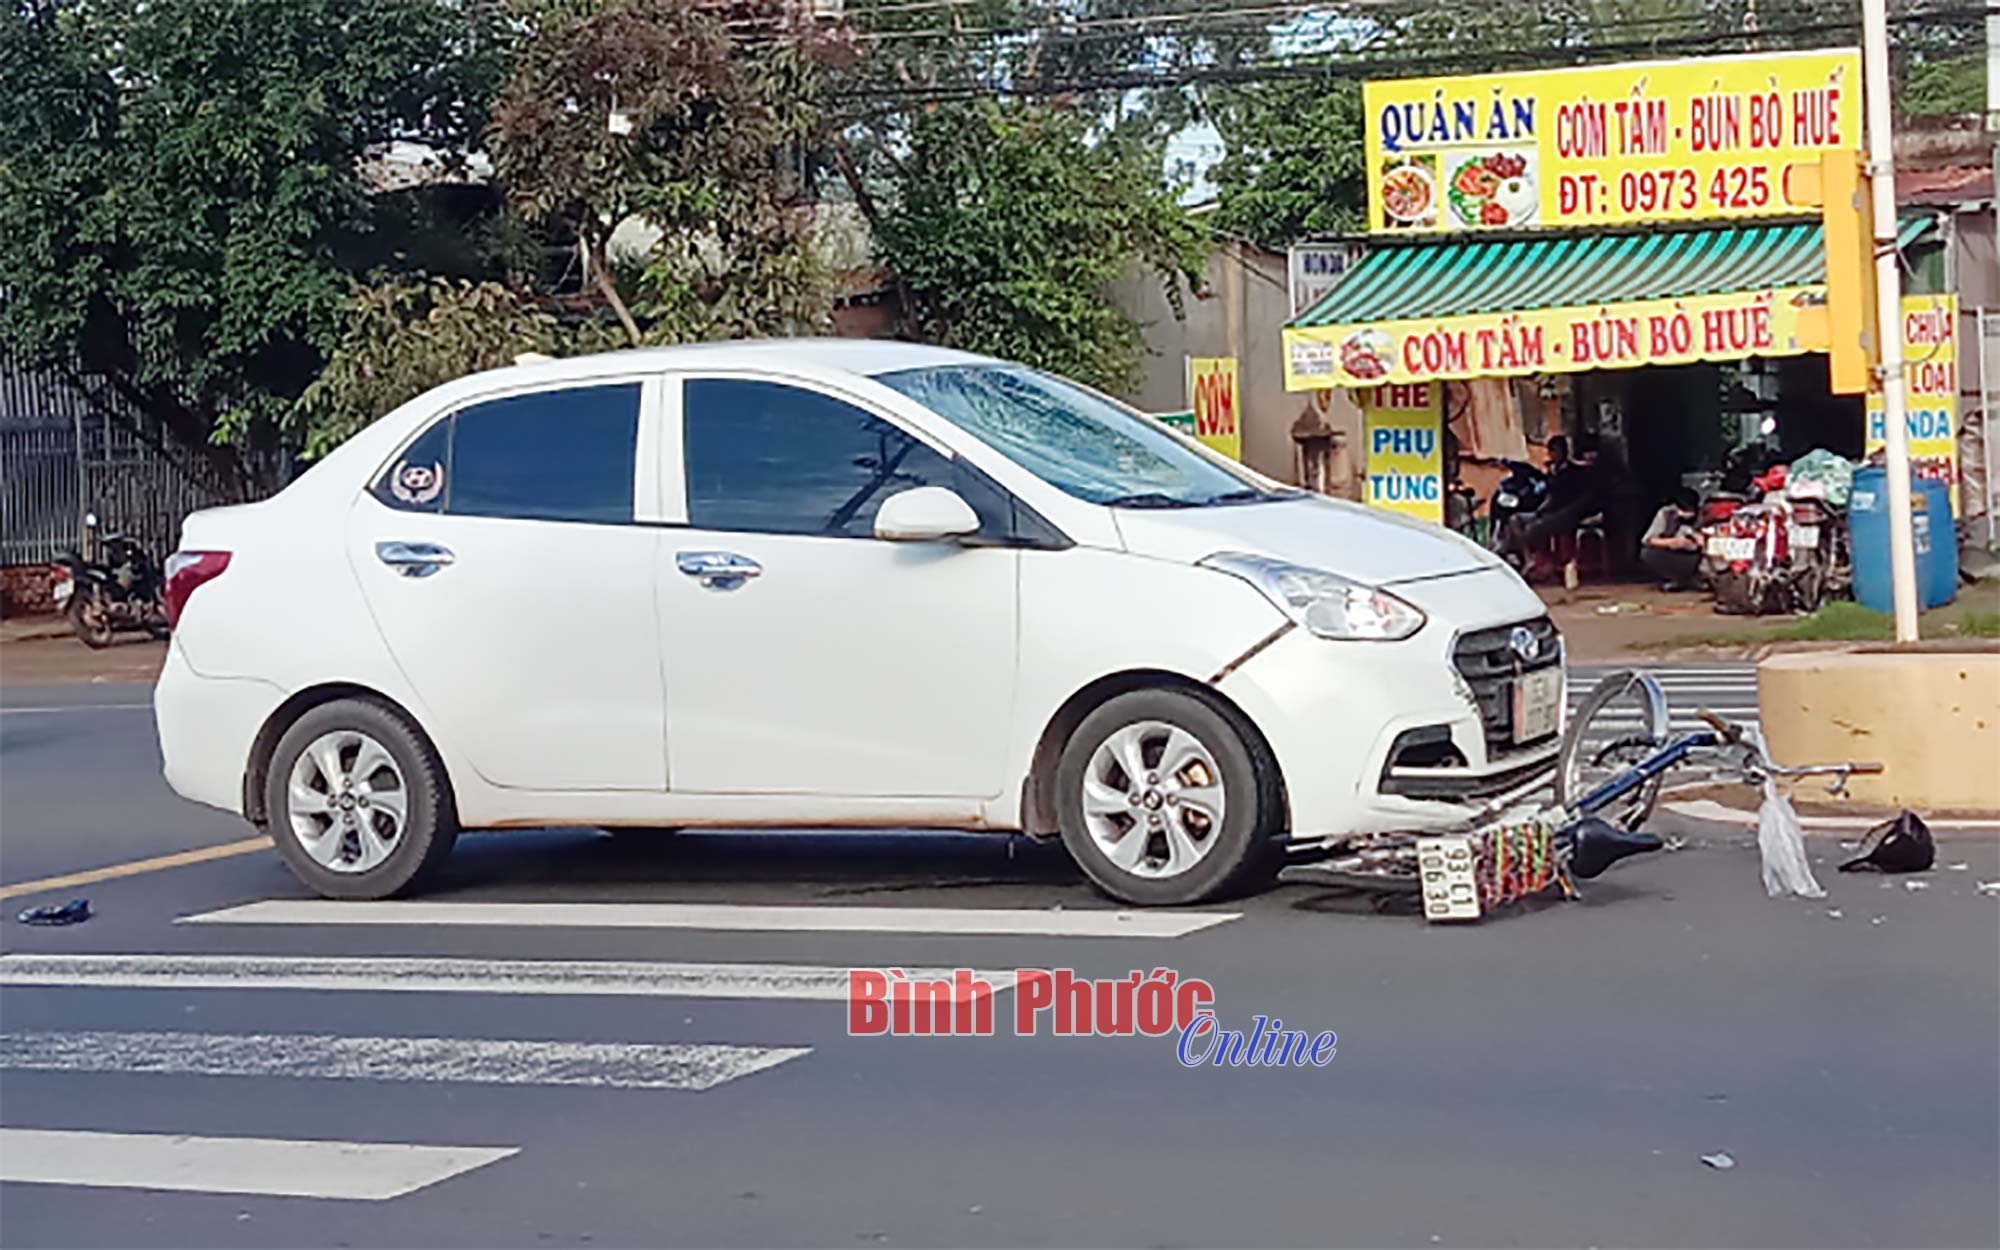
<point x="1614" y="756"/>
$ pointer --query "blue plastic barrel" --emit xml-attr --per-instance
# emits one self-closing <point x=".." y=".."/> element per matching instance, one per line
<point x="1938" y="574"/>
<point x="1936" y="541"/>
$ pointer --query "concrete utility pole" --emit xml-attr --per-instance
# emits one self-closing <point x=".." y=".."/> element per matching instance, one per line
<point x="1889" y="319"/>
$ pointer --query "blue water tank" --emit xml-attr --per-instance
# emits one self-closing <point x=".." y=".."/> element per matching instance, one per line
<point x="1936" y="540"/>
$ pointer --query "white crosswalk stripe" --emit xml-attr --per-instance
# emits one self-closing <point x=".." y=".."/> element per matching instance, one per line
<point x="319" y="1056"/>
<point x="1729" y="690"/>
<point x="574" y="977"/>
<point x="969" y="921"/>
<point x="386" y="1169"/>
<point x="277" y="1167"/>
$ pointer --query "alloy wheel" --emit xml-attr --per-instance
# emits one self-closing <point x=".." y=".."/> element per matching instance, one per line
<point x="1153" y="799"/>
<point x="347" y="801"/>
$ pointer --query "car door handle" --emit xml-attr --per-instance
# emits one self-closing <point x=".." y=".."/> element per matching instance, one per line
<point x="718" y="570"/>
<point x="414" y="559"/>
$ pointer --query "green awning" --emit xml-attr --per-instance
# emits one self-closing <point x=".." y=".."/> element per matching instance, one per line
<point x="1396" y="281"/>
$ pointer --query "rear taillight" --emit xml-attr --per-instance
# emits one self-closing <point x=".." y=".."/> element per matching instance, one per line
<point x="187" y="570"/>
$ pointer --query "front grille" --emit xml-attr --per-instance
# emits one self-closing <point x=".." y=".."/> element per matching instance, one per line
<point x="1486" y="658"/>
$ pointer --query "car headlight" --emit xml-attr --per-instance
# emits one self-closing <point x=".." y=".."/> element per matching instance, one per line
<point x="1329" y="605"/>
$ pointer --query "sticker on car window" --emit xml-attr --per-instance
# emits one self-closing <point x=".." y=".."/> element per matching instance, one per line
<point x="417" y="484"/>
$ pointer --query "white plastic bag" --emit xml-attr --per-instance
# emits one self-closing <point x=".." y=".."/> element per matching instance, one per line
<point x="1783" y="847"/>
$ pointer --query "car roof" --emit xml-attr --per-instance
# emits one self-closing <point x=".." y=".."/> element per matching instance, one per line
<point x="865" y="357"/>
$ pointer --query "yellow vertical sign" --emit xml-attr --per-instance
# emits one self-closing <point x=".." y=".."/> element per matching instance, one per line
<point x="1930" y="379"/>
<point x="1213" y="395"/>
<point x="1403" y="427"/>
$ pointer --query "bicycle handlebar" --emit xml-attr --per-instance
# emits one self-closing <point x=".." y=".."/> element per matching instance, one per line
<point x="1734" y="735"/>
<point x="1730" y="732"/>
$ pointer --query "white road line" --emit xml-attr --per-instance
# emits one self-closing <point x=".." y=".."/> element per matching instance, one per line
<point x="481" y="1061"/>
<point x="990" y="922"/>
<point x="606" y="978"/>
<point x="365" y="1171"/>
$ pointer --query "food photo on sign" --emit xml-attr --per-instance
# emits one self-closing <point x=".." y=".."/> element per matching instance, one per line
<point x="1409" y="193"/>
<point x="1495" y="189"/>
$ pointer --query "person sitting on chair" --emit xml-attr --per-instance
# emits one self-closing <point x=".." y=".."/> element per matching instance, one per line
<point x="1549" y="532"/>
<point x="1669" y="549"/>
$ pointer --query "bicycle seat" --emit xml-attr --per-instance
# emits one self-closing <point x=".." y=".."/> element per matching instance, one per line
<point x="1596" y="845"/>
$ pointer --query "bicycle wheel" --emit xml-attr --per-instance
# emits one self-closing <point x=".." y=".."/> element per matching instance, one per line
<point x="1621" y="722"/>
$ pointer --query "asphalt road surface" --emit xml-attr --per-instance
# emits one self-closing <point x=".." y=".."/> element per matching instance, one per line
<point x="240" y="1065"/>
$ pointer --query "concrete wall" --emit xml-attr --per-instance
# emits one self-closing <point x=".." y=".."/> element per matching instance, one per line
<point x="1931" y="719"/>
<point x="1242" y="314"/>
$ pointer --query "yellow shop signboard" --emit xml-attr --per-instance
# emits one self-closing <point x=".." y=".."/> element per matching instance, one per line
<point x="1728" y="326"/>
<point x="1930" y="376"/>
<point x="1403" y="427"/>
<point x="1215" y="400"/>
<point x="1652" y="141"/>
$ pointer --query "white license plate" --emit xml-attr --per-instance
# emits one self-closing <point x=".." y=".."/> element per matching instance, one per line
<point x="62" y="590"/>
<point x="1724" y="547"/>
<point x="1803" y="536"/>
<point x="1450" y="890"/>
<point x="1537" y="703"/>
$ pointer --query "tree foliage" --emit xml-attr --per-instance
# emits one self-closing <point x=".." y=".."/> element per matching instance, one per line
<point x="646" y="110"/>
<point x="179" y="182"/>
<point x="1293" y="166"/>
<point x="1006" y="227"/>
<point x="401" y="337"/>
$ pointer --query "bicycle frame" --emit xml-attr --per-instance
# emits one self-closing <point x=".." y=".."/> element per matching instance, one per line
<point x="1645" y="770"/>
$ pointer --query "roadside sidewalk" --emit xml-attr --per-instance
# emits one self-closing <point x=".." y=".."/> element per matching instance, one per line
<point x="1640" y="623"/>
<point x="38" y="650"/>
<point x="40" y="625"/>
<point x="1612" y="622"/>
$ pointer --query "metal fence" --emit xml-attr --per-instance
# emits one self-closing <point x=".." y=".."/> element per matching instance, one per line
<point x="62" y="455"/>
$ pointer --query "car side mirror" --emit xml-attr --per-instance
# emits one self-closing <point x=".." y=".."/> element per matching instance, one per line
<point x="925" y="514"/>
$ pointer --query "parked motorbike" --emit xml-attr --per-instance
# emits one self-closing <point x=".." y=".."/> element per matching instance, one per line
<point x="1785" y="552"/>
<point x="121" y="590"/>
<point x="1522" y="491"/>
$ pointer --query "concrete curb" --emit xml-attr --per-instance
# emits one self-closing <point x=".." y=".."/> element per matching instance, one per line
<point x="35" y="632"/>
<point x="1722" y="813"/>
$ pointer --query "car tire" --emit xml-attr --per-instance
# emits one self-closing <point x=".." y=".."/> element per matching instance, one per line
<point x="1218" y="754"/>
<point x="422" y="838"/>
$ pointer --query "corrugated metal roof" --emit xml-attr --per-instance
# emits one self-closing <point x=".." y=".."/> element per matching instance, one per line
<point x="1445" y="279"/>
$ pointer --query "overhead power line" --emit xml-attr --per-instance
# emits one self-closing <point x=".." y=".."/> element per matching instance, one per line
<point x="1364" y="65"/>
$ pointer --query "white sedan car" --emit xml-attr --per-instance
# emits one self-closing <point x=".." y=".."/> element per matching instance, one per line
<point x="833" y="583"/>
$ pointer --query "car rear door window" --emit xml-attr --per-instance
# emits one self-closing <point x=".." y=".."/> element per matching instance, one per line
<point x="765" y="457"/>
<point x="560" y="455"/>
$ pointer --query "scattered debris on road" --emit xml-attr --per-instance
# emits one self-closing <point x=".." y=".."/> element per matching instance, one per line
<point x="76" y="911"/>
